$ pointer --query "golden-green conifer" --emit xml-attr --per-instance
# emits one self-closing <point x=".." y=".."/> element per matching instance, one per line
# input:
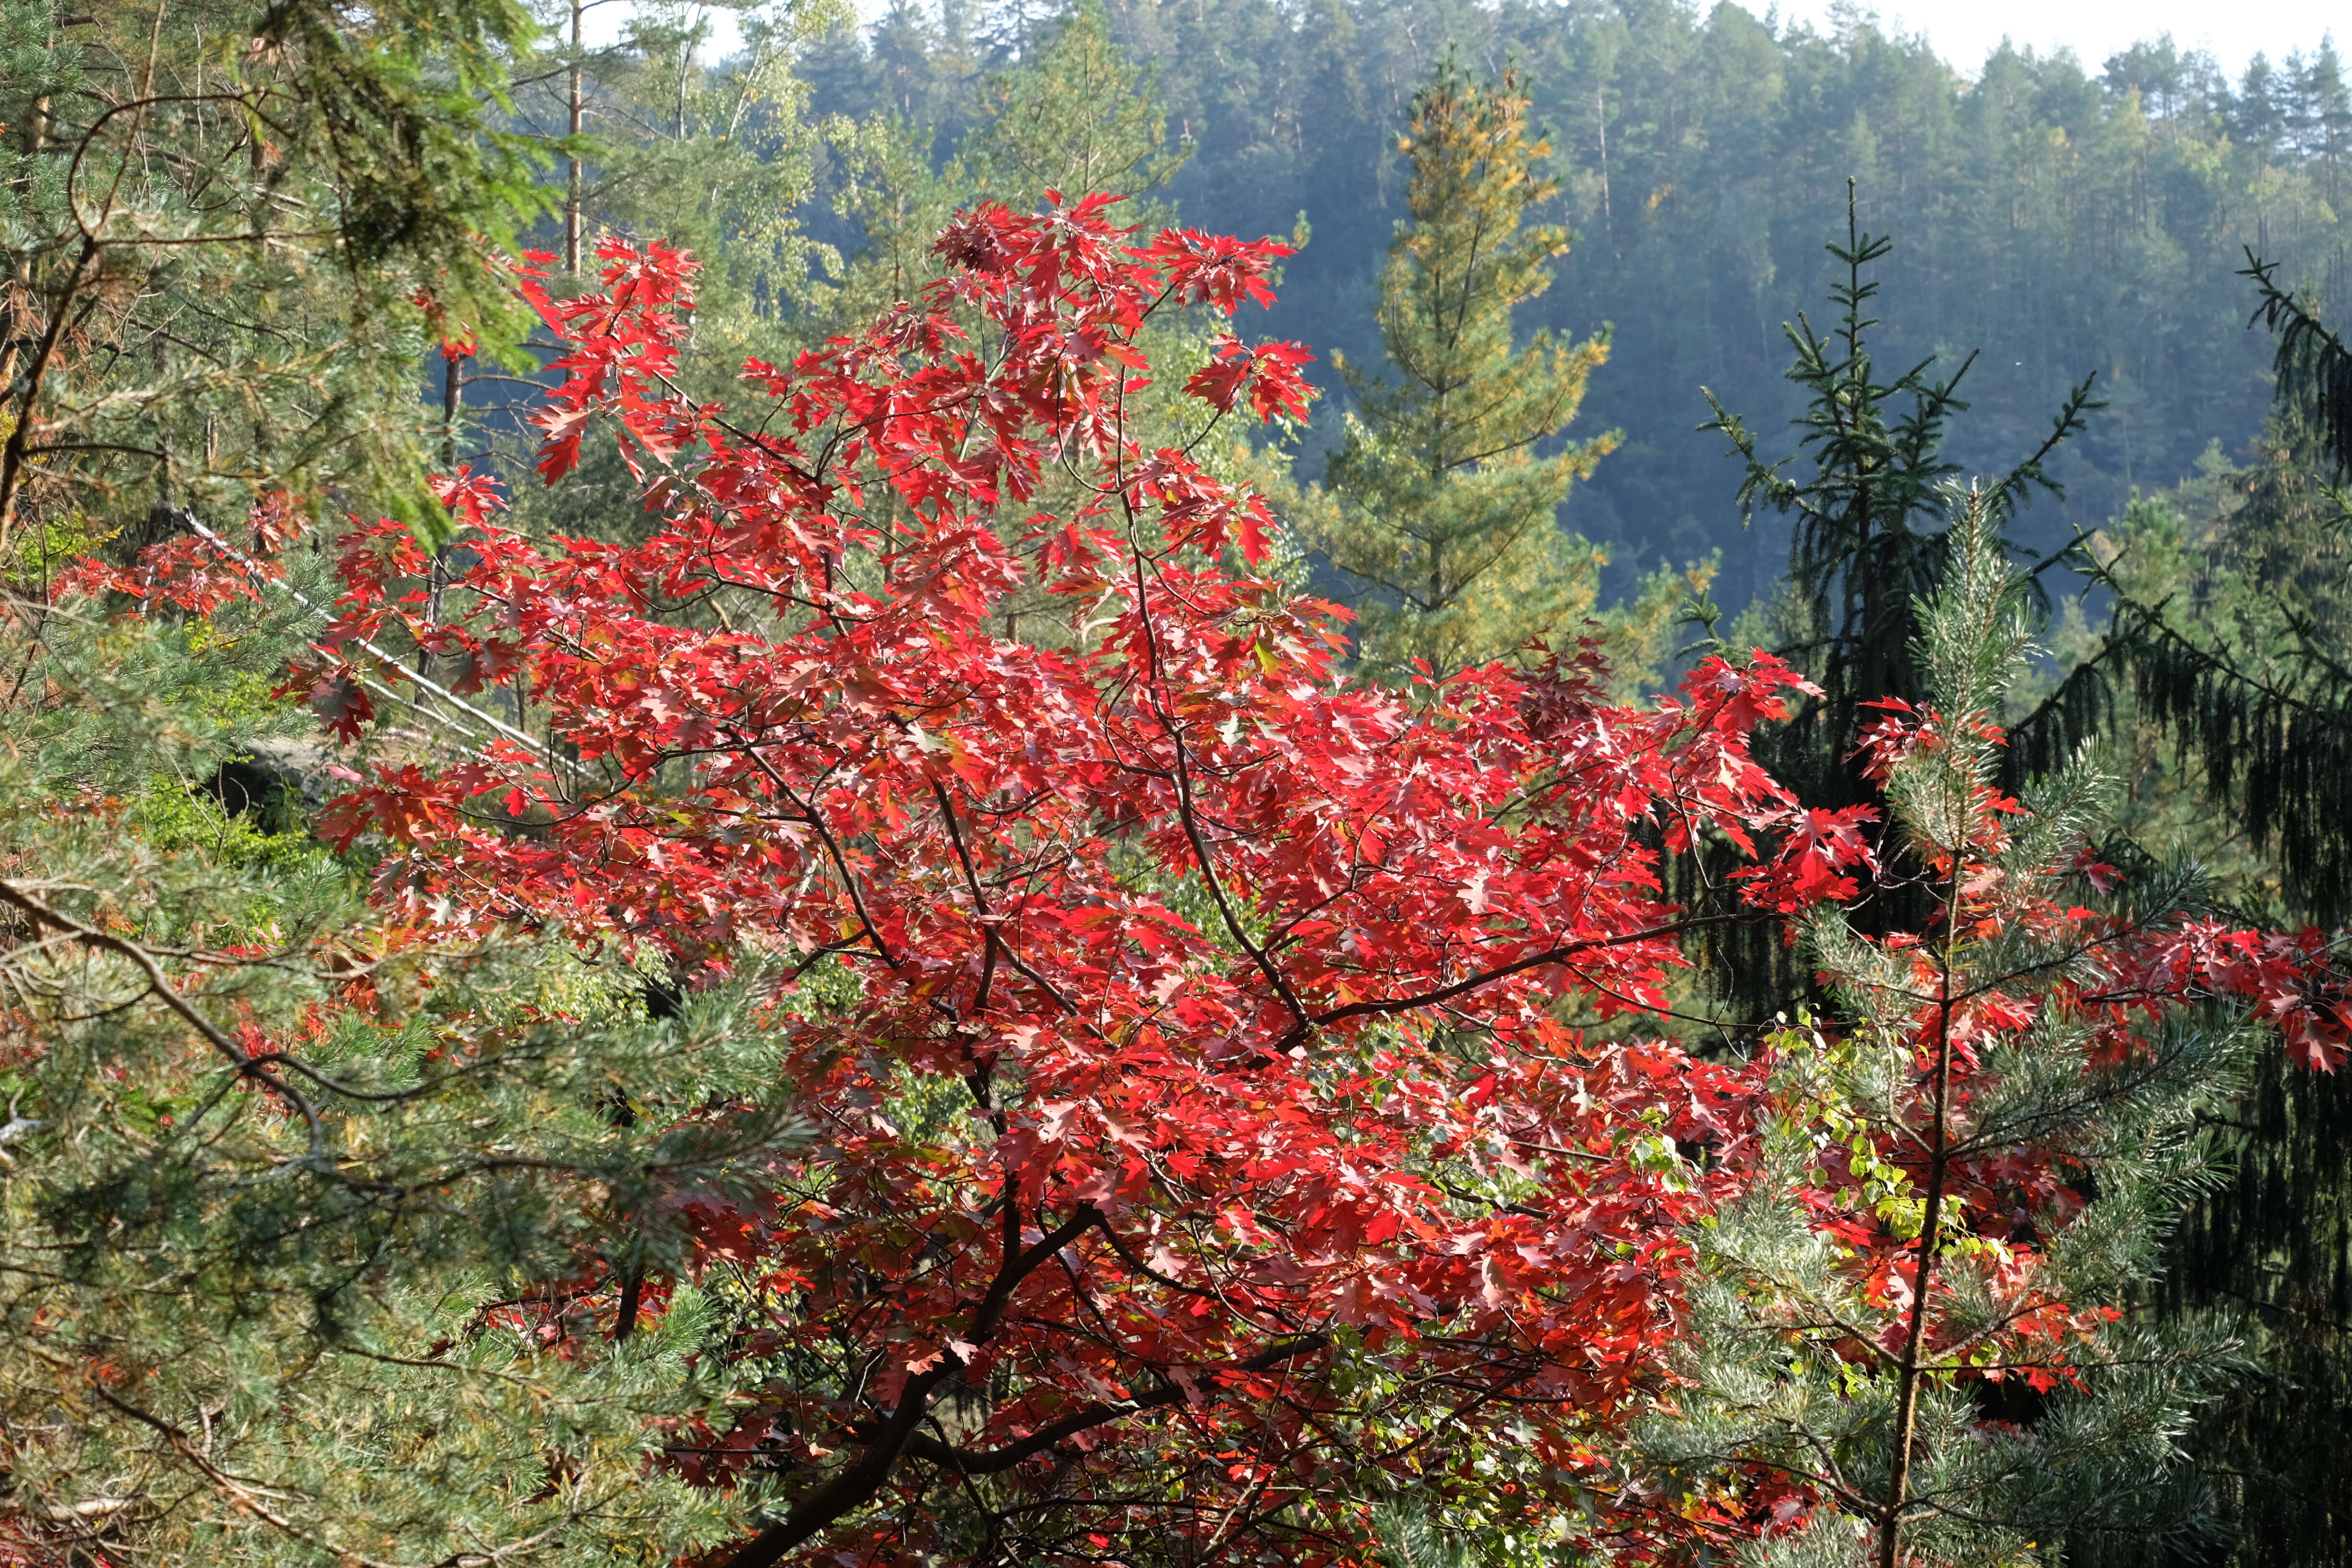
<point x="1445" y="500"/>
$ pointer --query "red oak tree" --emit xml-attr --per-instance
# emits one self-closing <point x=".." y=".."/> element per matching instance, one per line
<point x="1211" y="1130"/>
<point x="1247" y="976"/>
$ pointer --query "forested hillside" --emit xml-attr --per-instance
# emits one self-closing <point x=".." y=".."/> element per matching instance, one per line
<point x="2059" y="217"/>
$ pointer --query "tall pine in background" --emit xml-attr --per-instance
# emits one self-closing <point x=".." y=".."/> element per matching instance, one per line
<point x="1444" y="504"/>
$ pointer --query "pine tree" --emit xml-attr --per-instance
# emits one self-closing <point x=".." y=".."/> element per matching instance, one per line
<point x="213" y="254"/>
<point x="2331" y="128"/>
<point x="899" y="201"/>
<point x="256" y="1310"/>
<point x="1869" y="547"/>
<point x="1445" y="502"/>
<point x="288" y="1199"/>
<point x="1408" y="1539"/>
<point x="1910" y="1344"/>
<point x="2053" y="253"/>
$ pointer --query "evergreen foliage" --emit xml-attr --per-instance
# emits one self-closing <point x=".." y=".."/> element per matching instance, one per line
<point x="2270" y="1250"/>
<point x="1441" y="505"/>
<point x="1863" y="570"/>
<point x="2228" y="645"/>
<point x="2227" y="648"/>
<point x="1972" y="1073"/>
<point x="215" y="226"/>
<point x="2313" y="369"/>
<point x="1408" y="1539"/>
<point x="448" y="1278"/>
<point x="270" y="1309"/>
<point x="2232" y="643"/>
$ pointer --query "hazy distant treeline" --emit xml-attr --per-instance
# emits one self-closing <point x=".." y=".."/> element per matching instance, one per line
<point x="2064" y="217"/>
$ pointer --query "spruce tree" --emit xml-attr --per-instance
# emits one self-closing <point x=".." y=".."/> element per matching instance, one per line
<point x="2313" y="366"/>
<point x="1869" y="518"/>
<point x="2223" y="647"/>
<point x="1868" y="554"/>
<point x="1445" y="502"/>
<point x="2224" y="657"/>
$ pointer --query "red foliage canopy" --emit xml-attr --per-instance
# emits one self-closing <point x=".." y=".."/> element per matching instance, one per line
<point x="1204" y="1133"/>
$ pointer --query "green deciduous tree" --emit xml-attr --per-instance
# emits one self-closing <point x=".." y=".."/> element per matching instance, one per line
<point x="663" y="137"/>
<point x="709" y="153"/>
<point x="1079" y="116"/>
<point x="1073" y="116"/>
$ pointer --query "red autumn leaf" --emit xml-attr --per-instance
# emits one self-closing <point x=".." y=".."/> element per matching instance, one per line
<point x="1820" y="848"/>
<point x="341" y="704"/>
<point x="1268" y="374"/>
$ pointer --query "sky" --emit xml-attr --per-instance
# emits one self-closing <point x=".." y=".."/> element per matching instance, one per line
<point x="1964" y="31"/>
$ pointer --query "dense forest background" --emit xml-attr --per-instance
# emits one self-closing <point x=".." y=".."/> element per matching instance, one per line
<point x="2060" y="218"/>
